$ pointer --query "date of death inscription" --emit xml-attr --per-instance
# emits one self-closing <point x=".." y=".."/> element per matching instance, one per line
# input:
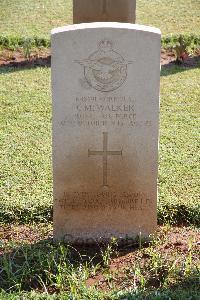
<point x="95" y="112"/>
<point x="104" y="200"/>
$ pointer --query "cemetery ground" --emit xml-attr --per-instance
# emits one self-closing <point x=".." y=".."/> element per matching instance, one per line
<point x="31" y="265"/>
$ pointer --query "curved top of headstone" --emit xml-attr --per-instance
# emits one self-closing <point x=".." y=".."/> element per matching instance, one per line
<point x="97" y="25"/>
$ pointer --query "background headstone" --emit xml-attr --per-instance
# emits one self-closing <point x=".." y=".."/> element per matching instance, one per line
<point x="85" y="11"/>
<point x="105" y="85"/>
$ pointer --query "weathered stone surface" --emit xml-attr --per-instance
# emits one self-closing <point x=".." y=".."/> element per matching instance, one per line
<point x="86" y="11"/>
<point x="105" y="85"/>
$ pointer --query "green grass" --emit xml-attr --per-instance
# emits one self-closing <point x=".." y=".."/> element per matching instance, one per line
<point x="25" y="146"/>
<point x="175" y="295"/>
<point x="172" y="17"/>
<point x="26" y="178"/>
<point x="37" y="18"/>
<point x="179" y="144"/>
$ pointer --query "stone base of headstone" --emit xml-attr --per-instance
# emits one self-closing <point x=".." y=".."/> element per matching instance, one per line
<point x="86" y="11"/>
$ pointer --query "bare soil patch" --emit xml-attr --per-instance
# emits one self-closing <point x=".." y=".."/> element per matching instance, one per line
<point x="17" y="235"/>
<point x="17" y="59"/>
<point x="43" y="58"/>
<point x="168" y="239"/>
<point x="171" y="247"/>
<point x="168" y="58"/>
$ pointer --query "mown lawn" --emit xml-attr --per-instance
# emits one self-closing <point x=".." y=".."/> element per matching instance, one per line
<point x="25" y="139"/>
<point x="37" y="18"/>
<point x="179" y="142"/>
<point x="25" y="171"/>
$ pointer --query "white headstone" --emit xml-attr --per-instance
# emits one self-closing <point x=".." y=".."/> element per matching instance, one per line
<point x="105" y="85"/>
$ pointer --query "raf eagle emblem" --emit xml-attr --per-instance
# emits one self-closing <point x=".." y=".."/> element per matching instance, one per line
<point x="105" y="70"/>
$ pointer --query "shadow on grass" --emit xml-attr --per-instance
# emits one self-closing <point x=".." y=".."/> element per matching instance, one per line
<point x="14" y="66"/>
<point x="55" y="265"/>
<point x="173" y="68"/>
<point x="25" y="215"/>
<point x="176" y="214"/>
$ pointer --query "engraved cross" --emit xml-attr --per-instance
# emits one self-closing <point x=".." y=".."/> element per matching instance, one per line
<point x="105" y="153"/>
